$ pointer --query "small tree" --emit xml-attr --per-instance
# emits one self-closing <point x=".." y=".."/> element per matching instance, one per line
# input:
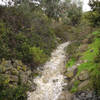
<point x="94" y="16"/>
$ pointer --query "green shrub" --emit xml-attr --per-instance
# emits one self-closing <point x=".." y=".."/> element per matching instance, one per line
<point x="38" y="55"/>
<point x="20" y="31"/>
<point x="14" y="92"/>
<point x="95" y="78"/>
<point x="75" y="86"/>
<point x="92" y="64"/>
<point x="96" y="33"/>
<point x="71" y="62"/>
<point x="72" y="50"/>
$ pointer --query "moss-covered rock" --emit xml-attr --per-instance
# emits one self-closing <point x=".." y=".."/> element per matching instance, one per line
<point x="2" y="69"/>
<point x="13" y="78"/>
<point x="18" y="67"/>
<point x="24" y="68"/>
<point x="69" y="74"/>
<point x="14" y="71"/>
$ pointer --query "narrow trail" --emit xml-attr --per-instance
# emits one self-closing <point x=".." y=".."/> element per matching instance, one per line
<point x="50" y="84"/>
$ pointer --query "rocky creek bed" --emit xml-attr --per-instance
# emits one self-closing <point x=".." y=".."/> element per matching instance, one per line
<point x="56" y="84"/>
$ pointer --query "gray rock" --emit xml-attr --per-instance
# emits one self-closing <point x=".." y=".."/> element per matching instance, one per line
<point x="85" y="41"/>
<point x="89" y="95"/>
<point x="69" y="74"/>
<point x="85" y="95"/>
<point x="8" y="64"/>
<point x="83" y="76"/>
<point x="2" y="69"/>
<point x="24" y="77"/>
<point x="13" y="78"/>
<point x="65" y="96"/>
<point x="71" y="71"/>
<point x="29" y="72"/>
<point x="14" y="71"/>
<point x="83" y="84"/>
<point x="83" y="47"/>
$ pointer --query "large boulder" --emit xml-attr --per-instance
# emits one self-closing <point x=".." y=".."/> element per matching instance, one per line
<point x="28" y="72"/>
<point x="83" y="47"/>
<point x="84" y="75"/>
<point x="69" y="75"/>
<point x="65" y="96"/>
<point x="14" y="71"/>
<point x="32" y="85"/>
<point x="2" y="69"/>
<point x="6" y="63"/>
<point x="85" y="95"/>
<point x="71" y="72"/>
<point x="71" y="83"/>
<point x="24" y="77"/>
<point x="83" y="84"/>
<point x="13" y="78"/>
<point x="85" y="41"/>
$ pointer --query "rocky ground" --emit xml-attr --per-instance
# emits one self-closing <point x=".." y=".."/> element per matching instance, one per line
<point x="82" y="81"/>
<point x="16" y="71"/>
<point x="79" y="82"/>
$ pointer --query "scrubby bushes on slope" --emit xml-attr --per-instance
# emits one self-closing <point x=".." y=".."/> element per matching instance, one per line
<point x="89" y="66"/>
<point x="26" y="42"/>
<point x="15" y="80"/>
<point x="20" y="33"/>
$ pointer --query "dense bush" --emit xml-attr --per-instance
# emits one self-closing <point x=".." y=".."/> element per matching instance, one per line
<point x="94" y="15"/>
<point x="38" y="56"/>
<point x="8" y="92"/>
<point x="25" y="35"/>
<point x="72" y="50"/>
<point x="93" y="18"/>
<point x="20" y="33"/>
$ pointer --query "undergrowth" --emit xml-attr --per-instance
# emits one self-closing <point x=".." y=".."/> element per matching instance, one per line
<point x="91" y="63"/>
<point x="71" y="62"/>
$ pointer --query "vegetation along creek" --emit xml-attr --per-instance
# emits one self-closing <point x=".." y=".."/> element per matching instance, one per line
<point x="50" y="84"/>
<point x="49" y="49"/>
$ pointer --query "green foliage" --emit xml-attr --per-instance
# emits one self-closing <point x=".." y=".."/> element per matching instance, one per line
<point x="20" y="31"/>
<point x="94" y="4"/>
<point x="95" y="18"/>
<point x="93" y="50"/>
<point x="71" y="62"/>
<point x="95" y="79"/>
<point x="72" y="50"/>
<point x="52" y="8"/>
<point x="75" y="86"/>
<point x="92" y="56"/>
<point x="26" y="35"/>
<point x="75" y="13"/>
<point x="94" y="15"/>
<point x="13" y="93"/>
<point x="38" y="55"/>
<point x="4" y="80"/>
<point x="9" y="90"/>
<point x="96" y="33"/>
<point x="71" y="12"/>
<point x="89" y="66"/>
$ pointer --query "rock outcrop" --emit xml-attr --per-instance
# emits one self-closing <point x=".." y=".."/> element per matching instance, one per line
<point x="79" y="82"/>
<point x="16" y="71"/>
